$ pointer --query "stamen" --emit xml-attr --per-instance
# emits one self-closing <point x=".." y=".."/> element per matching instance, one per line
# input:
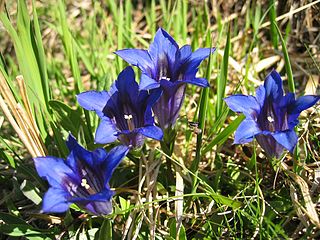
<point x="127" y="117"/>
<point x="166" y="78"/>
<point x="270" y="119"/>
<point x="85" y="184"/>
<point x="130" y="123"/>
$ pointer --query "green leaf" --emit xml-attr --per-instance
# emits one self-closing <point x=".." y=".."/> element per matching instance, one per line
<point x="173" y="231"/>
<point x="273" y="29"/>
<point x="105" y="231"/>
<point x="30" y="191"/>
<point x="67" y="117"/>
<point x="13" y="226"/>
<point x="225" y="200"/>
<point x="222" y="79"/>
<point x="286" y="60"/>
<point x="223" y="135"/>
<point x="124" y="204"/>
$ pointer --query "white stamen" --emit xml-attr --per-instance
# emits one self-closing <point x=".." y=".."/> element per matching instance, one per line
<point x="127" y="117"/>
<point x="166" y="78"/>
<point x="85" y="184"/>
<point x="270" y="119"/>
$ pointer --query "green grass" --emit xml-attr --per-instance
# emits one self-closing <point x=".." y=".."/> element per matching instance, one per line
<point x="230" y="191"/>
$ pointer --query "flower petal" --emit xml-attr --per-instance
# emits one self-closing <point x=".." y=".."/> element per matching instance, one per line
<point x="105" y="195"/>
<point x="137" y="57"/>
<point x="53" y="169"/>
<point x="106" y="132"/>
<point x="190" y="67"/>
<point x="127" y="85"/>
<point x="287" y="101"/>
<point x="152" y="132"/>
<point x="247" y="105"/>
<point x="288" y="139"/>
<point x="247" y="129"/>
<point x="260" y="95"/>
<point x="201" y="82"/>
<point x="184" y="53"/>
<point x="273" y="86"/>
<point x="295" y="107"/>
<point x="113" y="159"/>
<point x="93" y="101"/>
<point x="271" y="147"/>
<point x="147" y="83"/>
<point x="200" y="54"/>
<point x="162" y="46"/>
<point x="154" y="96"/>
<point x="78" y="152"/>
<point x="97" y="204"/>
<point x="55" y="201"/>
<point x="303" y="103"/>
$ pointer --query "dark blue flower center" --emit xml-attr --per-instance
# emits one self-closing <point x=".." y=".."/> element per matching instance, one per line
<point x="85" y="184"/>
<point x="273" y="117"/>
<point x="125" y="114"/>
<point x="163" y="68"/>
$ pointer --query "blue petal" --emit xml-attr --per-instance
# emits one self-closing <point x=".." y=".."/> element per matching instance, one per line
<point x="53" y="169"/>
<point x="113" y="159"/>
<point x="100" y="207"/>
<point x="246" y="131"/>
<point x="105" y="195"/>
<point x="190" y="67"/>
<point x="247" y="105"/>
<point x="97" y="204"/>
<point x="260" y="95"/>
<point x="201" y="82"/>
<point x="303" y="103"/>
<point x="137" y="57"/>
<point x="163" y="46"/>
<point x="273" y="86"/>
<point x="152" y="132"/>
<point x="184" y="53"/>
<point x="113" y="89"/>
<point x="127" y="85"/>
<point x="170" y="87"/>
<point x="200" y="54"/>
<point x="98" y="155"/>
<point x="287" y="100"/>
<point x="296" y="107"/>
<point x="55" y="201"/>
<point x="106" y="132"/>
<point x="78" y="152"/>
<point x="93" y="101"/>
<point x="154" y="96"/>
<point x="147" y="83"/>
<point x="288" y="139"/>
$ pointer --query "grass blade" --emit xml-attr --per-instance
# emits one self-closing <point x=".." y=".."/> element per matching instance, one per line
<point x="222" y="79"/>
<point x="286" y="60"/>
<point x="204" y="99"/>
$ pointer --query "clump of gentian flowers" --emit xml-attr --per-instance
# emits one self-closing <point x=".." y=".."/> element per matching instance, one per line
<point x="129" y="112"/>
<point x="126" y="114"/>
<point x="270" y="116"/>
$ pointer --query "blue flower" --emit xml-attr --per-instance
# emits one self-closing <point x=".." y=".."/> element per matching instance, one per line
<point x="166" y="69"/>
<point x="82" y="179"/>
<point x="270" y="116"/>
<point x="125" y="112"/>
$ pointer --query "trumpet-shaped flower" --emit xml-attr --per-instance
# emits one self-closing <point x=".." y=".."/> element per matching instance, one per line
<point x="270" y="116"/>
<point x="125" y="112"/>
<point x="82" y="179"/>
<point x="166" y="69"/>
